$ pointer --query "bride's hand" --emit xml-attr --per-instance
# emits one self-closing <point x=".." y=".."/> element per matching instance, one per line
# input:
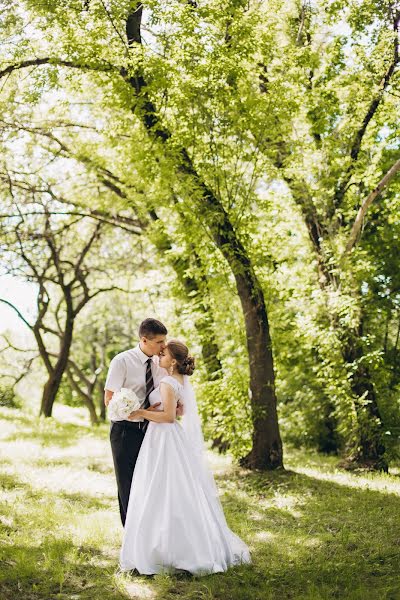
<point x="141" y="412"/>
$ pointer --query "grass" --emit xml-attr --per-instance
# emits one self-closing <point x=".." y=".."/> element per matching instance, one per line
<point x="315" y="532"/>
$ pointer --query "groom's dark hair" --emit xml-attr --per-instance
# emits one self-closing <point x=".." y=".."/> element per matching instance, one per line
<point x="151" y="327"/>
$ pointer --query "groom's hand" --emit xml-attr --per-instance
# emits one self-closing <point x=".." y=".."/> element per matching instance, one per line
<point x="179" y="409"/>
<point x="154" y="407"/>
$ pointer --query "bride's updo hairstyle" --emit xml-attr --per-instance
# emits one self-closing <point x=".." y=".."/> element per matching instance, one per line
<point x="180" y="352"/>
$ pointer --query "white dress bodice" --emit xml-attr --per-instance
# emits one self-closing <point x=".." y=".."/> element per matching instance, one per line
<point x="155" y="395"/>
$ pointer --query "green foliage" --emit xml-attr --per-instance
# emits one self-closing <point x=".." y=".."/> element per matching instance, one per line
<point x="68" y="396"/>
<point x="8" y="397"/>
<point x="224" y="406"/>
<point x="267" y="100"/>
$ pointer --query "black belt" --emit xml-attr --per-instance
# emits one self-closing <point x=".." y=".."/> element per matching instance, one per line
<point x="131" y="424"/>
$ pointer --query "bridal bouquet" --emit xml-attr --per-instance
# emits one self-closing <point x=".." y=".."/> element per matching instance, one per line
<point x="122" y="404"/>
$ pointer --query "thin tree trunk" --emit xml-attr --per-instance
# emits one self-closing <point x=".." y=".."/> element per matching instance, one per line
<point x="54" y="381"/>
<point x="370" y="451"/>
<point x="358" y="223"/>
<point x="86" y="397"/>
<point x="328" y="440"/>
<point x="100" y="400"/>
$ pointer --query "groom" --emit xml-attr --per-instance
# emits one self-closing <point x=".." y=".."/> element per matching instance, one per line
<point x="137" y="369"/>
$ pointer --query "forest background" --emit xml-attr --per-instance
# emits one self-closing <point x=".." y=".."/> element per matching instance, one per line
<point x="229" y="167"/>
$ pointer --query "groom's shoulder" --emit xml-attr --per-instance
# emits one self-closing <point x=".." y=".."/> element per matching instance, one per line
<point x="122" y="356"/>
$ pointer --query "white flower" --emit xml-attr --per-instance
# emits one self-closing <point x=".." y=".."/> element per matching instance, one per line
<point x="122" y="404"/>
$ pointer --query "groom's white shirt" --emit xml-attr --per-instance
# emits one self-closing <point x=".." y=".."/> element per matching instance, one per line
<point x="128" y="369"/>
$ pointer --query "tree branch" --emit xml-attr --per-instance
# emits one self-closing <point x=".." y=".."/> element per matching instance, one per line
<point x="371" y="111"/>
<point x="59" y="62"/>
<point x="18" y="312"/>
<point x="108" y="220"/>
<point x="13" y="347"/>
<point x="85" y="250"/>
<point x="72" y="364"/>
<point x="49" y="238"/>
<point x="367" y="203"/>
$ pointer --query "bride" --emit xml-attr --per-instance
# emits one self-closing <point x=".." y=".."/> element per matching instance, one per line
<point x="175" y="519"/>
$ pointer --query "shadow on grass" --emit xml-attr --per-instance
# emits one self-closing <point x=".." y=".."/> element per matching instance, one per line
<point x="38" y="559"/>
<point x="57" y="569"/>
<point x="333" y="543"/>
<point x="329" y="541"/>
<point x="10" y="482"/>
<point x="47" y="432"/>
<point x="87" y="502"/>
<point x="311" y="539"/>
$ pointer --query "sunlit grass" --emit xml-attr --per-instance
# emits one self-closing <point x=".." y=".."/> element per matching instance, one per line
<point x="315" y="532"/>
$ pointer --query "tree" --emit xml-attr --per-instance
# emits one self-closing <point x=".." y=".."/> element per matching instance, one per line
<point x="211" y="103"/>
<point x="267" y="447"/>
<point x="327" y="197"/>
<point x="53" y="247"/>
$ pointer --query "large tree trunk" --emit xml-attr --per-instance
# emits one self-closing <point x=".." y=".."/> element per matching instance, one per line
<point x="266" y="452"/>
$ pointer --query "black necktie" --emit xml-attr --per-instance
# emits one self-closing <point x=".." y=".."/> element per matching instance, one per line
<point x="149" y="389"/>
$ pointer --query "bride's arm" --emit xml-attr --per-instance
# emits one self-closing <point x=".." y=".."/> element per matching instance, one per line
<point x="168" y="415"/>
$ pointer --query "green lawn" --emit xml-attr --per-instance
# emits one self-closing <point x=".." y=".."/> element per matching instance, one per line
<point x="315" y="532"/>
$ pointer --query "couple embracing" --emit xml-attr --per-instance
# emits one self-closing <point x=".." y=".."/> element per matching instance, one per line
<point x="169" y="505"/>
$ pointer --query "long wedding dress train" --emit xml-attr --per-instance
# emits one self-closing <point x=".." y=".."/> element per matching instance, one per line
<point x="175" y="519"/>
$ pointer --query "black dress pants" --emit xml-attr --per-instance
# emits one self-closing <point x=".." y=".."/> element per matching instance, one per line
<point x="126" y="438"/>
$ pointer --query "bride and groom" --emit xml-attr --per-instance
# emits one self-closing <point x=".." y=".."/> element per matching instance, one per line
<point x="168" y="500"/>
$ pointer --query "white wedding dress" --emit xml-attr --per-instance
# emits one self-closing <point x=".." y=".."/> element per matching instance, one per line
<point x="175" y="519"/>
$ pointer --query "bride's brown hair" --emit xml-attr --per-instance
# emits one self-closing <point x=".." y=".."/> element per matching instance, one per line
<point x="180" y="352"/>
